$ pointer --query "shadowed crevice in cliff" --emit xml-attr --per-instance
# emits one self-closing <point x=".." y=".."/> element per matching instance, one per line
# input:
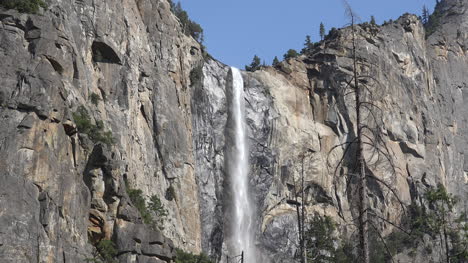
<point x="157" y="145"/>
<point x="103" y="53"/>
<point x="55" y="64"/>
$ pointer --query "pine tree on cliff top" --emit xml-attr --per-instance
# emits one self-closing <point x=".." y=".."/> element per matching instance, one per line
<point x="322" y="31"/>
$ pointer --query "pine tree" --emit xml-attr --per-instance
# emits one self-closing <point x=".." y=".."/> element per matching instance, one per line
<point x="307" y="45"/>
<point x="189" y="27"/>
<point x="255" y="65"/>
<point x="433" y="20"/>
<point x="322" y="31"/>
<point x="275" y="61"/>
<point x="372" y="21"/>
<point x="425" y="15"/>
<point x="290" y="54"/>
<point x="368" y="137"/>
<point x="24" y="6"/>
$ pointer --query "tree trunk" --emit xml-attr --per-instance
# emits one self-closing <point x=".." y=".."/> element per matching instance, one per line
<point x="447" y="249"/>
<point x="304" y="250"/>
<point x="299" y="224"/>
<point x="363" y="217"/>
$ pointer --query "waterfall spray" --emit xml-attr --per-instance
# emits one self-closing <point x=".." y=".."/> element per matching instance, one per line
<point x="242" y="239"/>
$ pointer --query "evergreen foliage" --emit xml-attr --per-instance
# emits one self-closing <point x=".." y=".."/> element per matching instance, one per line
<point x="441" y="222"/>
<point x="136" y="196"/>
<point x="184" y="257"/>
<point x="275" y="61"/>
<point x="432" y="21"/>
<point x="96" y="131"/>
<point x="320" y="240"/>
<point x="382" y="249"/>
<point x="107" y="250"/>
<point x="23" y="6"/>
<point x="372" y="21"/>
<point x="196" y="75"/>
<point x="308" y="45"/>
<point x="156" y="207"/>
<point x="322" y="31"/>
<point x="94" y="98"/>
<point x="425" y="15"/>
<point x="255" y="65"/>
<point x="149" y="211"/>
<point x="189" y="27"/>
<point x="332" y="33"/>
<point x="291" y="53"/>
<point x="322" y="244"/>
<point x="438" y="222"/>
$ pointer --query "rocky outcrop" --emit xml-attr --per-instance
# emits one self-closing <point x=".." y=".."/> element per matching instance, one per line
<point x="99" y="97"/>
<point x="126" y="65"/>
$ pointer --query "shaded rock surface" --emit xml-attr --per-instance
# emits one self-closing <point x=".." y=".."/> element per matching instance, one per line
<point x="132" y="57"/>
<point x="165" y="106"/>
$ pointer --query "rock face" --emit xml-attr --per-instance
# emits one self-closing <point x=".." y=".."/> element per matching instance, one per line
<point x="126" y="64"/>
<point x="127" y="68"/>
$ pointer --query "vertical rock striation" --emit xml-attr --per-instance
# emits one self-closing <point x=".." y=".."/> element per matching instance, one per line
<point x="126" y="65"/>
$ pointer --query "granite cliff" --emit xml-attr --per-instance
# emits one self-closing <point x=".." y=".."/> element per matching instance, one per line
<point x="157" y="112"/>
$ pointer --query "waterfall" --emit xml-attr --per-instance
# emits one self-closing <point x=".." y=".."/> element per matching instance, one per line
<point x="242" y="235"/>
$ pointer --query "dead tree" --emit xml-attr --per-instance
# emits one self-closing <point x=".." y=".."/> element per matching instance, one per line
<point x="300" y="211"/>
<point x="368" y="139"/>
<point x="300" y="202"/>
<point x="363" y="201"/>
<point x="361" y="162"/>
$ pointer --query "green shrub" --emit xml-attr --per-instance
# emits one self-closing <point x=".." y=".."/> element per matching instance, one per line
<point x="321" y="242"/>
<point x="196" y="75"/>
<point x="136" y="196"/>
<point x="184" y="257"/>
<point x="432" y="22"/>
<point x="149" y="211"/>
<point x="291" y="53"/>
<point x="105" y="252"/>
<point x="255" y="65"/>
<point x="82" y="120"/>
<point x="438" y="222"/>
<point x="441" y="203"/>
<point x="275" y="61"/>
<point x="94" y="98"/>
<point x="442" y="222"/>
<point x="189" y="27"/>
<point x="24" y="6"/>
<point x="382" y="251"/>
<point x="156" y="207"/>
<point x="95" y="132"/>
<point x="332" y="33"/>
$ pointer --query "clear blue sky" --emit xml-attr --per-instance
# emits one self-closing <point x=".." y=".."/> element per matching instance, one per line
<point x="236" y="30"/>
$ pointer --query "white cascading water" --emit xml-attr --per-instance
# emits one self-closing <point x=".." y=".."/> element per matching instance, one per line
<point x="243" y="230"/>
